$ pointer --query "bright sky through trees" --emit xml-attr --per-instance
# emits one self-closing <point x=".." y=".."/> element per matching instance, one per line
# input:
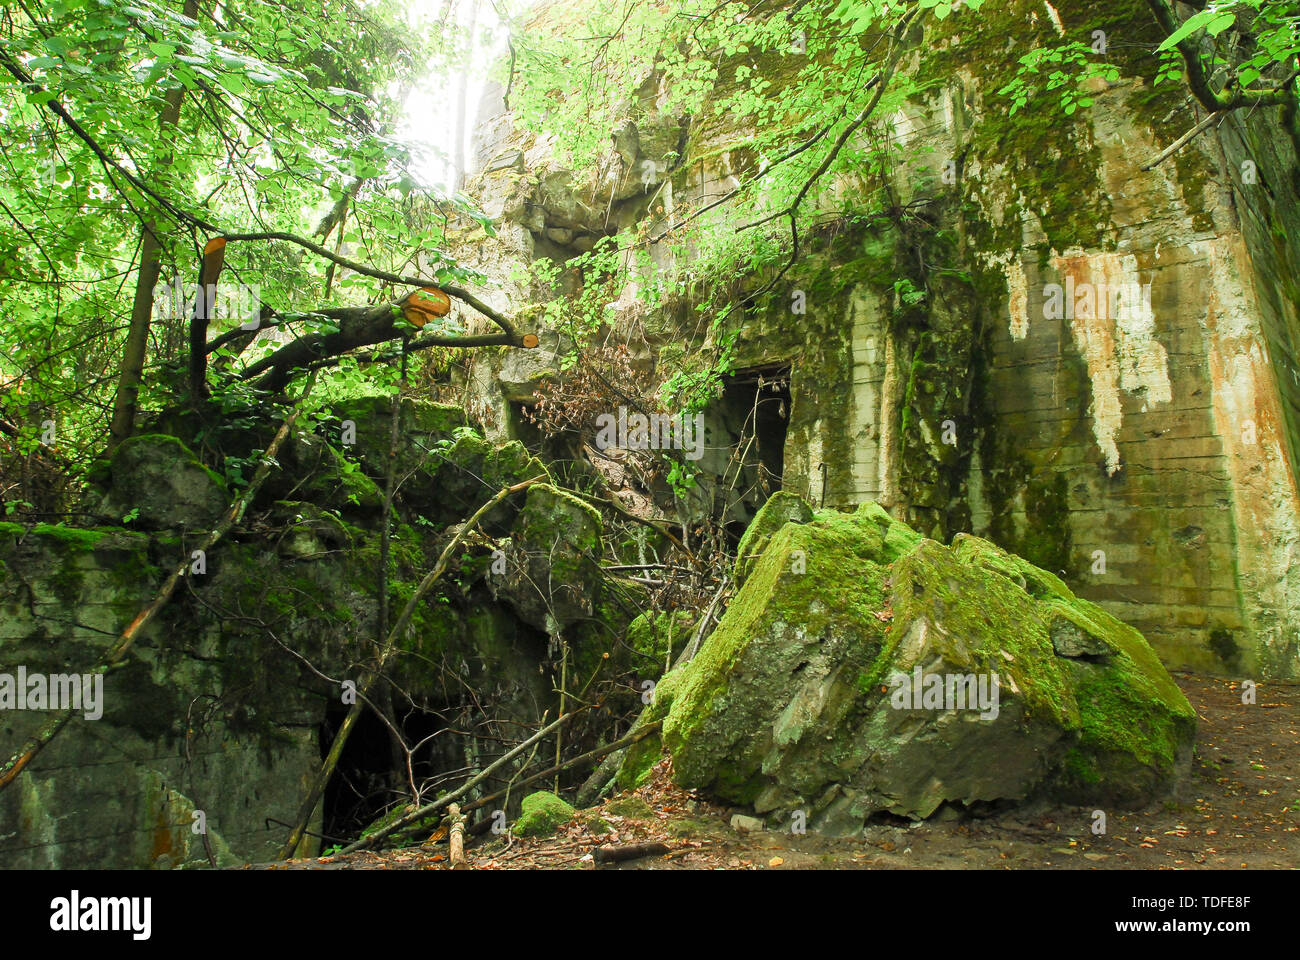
<point x="430" y="114"/>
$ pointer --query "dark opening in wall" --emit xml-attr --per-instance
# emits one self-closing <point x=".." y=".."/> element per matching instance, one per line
<point x="367" y="780"/>
<point x="750" y="421"/>
<point x="520" y="427"/>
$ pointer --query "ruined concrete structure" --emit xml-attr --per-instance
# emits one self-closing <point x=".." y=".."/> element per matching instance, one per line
<point x="1094" y="366"/>
<point x="1105" y="375"/>
<point x="206" y="737"/>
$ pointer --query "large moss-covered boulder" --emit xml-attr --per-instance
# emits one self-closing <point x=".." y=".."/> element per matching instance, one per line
<point x="159" y="483"/>
<point x="897" y="674"/>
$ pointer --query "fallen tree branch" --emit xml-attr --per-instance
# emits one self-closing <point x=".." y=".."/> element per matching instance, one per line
<point x="613" y="853"/>
<point x="456" y="841"/>
<point x="527" y="341"/>
<point x="362" y="327"/>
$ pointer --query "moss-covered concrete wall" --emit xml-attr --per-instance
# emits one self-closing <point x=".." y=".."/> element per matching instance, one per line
<point x="120" y="790"/>
<point x="221" y="704"/>
<point x="1147" y="451"/>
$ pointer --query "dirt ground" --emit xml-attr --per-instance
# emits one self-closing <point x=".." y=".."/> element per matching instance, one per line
<point x="1239" y="807"/>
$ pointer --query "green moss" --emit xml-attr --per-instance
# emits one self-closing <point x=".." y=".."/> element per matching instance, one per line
<point x="1065" y="192"/>
<point x="542" y="814"/>
<point x="458" y="479"/>
<point x="688" y="827"/>
<point x="838" y="594"/>
<point x="1080" y="767"/>
<point x="994" y="618"/>
<point x="183" y="452"/>
<point x="416" y="830"/>
<point x="563" y="497"/>
<point x="67" y="581"/>
<point x="552" y="516"/>
<point x="640" y="757"/>
<point x="73" y="550"/>
<point x="781" y="508"/>
<point x="916" y="369"/>
<point x="372" y="413"/>
<point x="1131" y="738"/>
<point x="639" y="760"/>
<point x="1033" y="579"/>
<point x="632" y="807"/>
<point x="657" y="639"/>
<point x="437" y="625"/>
<point x="78" y="538"/>
<point x="343" y="485"/>
<point x="595" y="823"/>
<point x="1126" y="717"/>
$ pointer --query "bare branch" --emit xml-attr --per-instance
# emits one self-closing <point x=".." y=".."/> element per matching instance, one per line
<point x="1185" y="139"/>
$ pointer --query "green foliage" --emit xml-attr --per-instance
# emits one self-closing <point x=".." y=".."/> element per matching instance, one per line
<point x="286" y="109"/>
<point x="580" y="316"/>
<point x="287" y="113"/>
<point x="443" y="446"/>
<point x="783" y="88"/>
<point x="1260" y="61"/>
<point x="1068" y="68"/>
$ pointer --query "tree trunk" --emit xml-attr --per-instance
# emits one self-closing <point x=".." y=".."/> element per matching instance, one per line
<point x="137" y="337"/>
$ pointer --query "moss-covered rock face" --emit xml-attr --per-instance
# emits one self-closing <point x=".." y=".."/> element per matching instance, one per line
<point x="542" y="814"/>
<point x="862" y="668"/>
<point x="296" y="584"/>
<point x="117" y="789"/>
<point x="422" y="423"/>
<point x="317" y="471"/>
<point x="781" y="508"/>
<point x="159" y="483"/>
<point x="365" y="435"/>
<point x="470" y="470"/>
<point x="552" y="575"/>
<point x="447" y="471"/>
